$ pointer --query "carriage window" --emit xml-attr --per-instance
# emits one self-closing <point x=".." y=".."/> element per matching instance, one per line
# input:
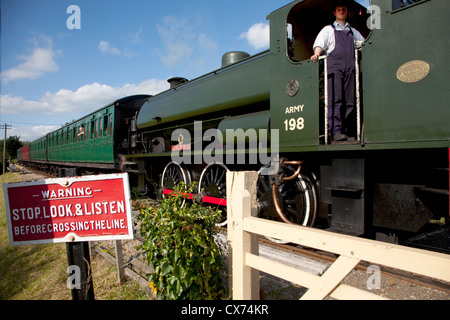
<point x="105" y="125"/>
<point x="399" y="4"/>
<point x="92" y="129"/>
<point x="110" y="124"/>
<point x="100" y="127"/>
<point x="81" y="133"/>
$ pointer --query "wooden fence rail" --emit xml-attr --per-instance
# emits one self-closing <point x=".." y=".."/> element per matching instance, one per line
<point x="243" y="228"/>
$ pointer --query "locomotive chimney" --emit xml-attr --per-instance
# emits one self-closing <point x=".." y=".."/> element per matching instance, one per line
<point x="176" y="81"/>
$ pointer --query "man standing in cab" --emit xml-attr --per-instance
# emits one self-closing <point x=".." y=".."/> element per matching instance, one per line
<point x="338" y="42"/>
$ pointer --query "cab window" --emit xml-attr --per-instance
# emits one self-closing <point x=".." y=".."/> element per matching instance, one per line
<point x="308" y="18"/>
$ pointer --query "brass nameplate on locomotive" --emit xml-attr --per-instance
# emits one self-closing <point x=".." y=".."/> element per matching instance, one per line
<point x="413" y="71"/>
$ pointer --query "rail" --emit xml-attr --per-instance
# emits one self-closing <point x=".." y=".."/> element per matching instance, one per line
<point x="357" y="96"/>
<point x="244" y="227"/>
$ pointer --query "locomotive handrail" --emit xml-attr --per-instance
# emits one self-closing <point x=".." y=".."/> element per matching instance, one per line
<point x="358" y="97"/>
<point x="357" y="91"/>
<point x="325" y="83"/>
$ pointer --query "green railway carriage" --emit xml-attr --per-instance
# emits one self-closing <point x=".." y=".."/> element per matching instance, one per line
<point x="94" y="142"/>
<point x="93" y="134"/>
<point x="38" y="150"/>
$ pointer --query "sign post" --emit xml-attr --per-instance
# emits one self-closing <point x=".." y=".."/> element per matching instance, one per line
<point x="81" y="284"/>
<point x="78" y="256"/>
<point x="74" y="210"/>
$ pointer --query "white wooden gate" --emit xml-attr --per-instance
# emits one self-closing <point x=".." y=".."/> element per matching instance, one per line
<point x="243" y="228"/>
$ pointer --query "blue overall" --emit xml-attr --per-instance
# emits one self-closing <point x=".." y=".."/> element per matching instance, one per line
<point x="341" y="85"/>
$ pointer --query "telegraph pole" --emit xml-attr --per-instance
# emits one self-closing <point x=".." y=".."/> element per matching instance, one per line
<point x="5" y="126"/>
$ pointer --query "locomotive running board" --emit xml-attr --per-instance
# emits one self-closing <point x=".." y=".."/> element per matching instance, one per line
<point x="198" y="197"/>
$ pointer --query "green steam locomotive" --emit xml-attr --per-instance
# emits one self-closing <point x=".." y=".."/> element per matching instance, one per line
<point x="270" y="112"/>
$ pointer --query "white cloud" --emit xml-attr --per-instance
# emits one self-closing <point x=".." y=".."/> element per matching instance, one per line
<point x="177" y="37"/>
<point x="31" y="133"/>
<point x="205" y="42"/>
<point x="83" y="100"/>
<point x="71" y="104"/>
<point x="181" y="37"/>
<point x="16" y="105"/>
<point x="258" y="36"/>
<point x="135" y="37"/>
<point x="38" y="62"/>
<point x="106" y="47"/>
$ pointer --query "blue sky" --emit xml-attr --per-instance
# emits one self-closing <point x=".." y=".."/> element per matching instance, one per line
<point x="51" y="74"/>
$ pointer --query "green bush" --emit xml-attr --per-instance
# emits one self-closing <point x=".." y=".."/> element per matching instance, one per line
<point x="179" y="244"/>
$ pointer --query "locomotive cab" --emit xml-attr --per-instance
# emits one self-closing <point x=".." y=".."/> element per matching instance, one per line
<point x="297" y="90"/>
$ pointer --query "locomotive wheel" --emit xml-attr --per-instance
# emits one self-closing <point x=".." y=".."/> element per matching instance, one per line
<point x="172" y="175"/>
<point x="297" y="199"/>
<point x="213" y="183"/>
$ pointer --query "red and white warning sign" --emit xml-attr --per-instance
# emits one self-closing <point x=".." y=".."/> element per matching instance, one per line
<point x="86" y="208"/>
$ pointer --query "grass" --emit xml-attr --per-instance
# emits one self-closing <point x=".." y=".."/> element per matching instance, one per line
<point x="38" y="272"/>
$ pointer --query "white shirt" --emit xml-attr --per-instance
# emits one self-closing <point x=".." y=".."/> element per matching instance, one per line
<point x="326" y="40"/>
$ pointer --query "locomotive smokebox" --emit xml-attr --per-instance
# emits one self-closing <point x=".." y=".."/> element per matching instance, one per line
<point x="232" y="57"/>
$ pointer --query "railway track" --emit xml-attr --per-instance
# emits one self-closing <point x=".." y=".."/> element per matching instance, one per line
<point x="37" y="173"/>
<point x="327" y="259"/>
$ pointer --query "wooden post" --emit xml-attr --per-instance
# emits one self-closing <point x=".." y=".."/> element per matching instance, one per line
<point x="92" y="245"/>
<point x="78" y="255"/>
<point x="241" y="200"/>
<point x="119" y="261"/>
